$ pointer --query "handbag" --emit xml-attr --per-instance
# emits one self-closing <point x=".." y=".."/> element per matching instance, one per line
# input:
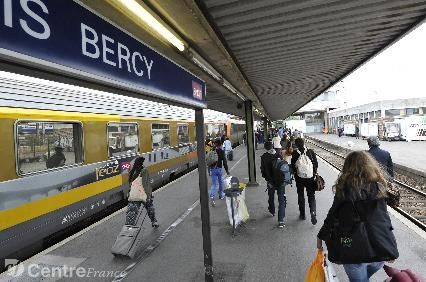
<point x="137" y="191"/>
<point x="359" y="241"/>
<point x="319" y="183"/>
<point x="393" y="195"/>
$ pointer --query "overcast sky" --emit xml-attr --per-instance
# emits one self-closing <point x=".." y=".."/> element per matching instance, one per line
<point x="398" y="72"/>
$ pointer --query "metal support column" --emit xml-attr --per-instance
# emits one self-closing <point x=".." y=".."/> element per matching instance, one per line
<point x="248" y="106"/>
<point x="204" y="199"/>
<point x="265" y="128"/>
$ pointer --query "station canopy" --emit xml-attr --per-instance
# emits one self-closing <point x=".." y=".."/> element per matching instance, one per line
<point x="280" y="54"/>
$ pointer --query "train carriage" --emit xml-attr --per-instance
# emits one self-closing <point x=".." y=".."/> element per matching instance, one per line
<point x="96" y="136"/>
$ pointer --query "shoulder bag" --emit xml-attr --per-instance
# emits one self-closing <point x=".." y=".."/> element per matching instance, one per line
<point x="353" y="239"/>
<point x="137" y="191"/>
<point x="319" y="183"/>
<point x="393" y="196"/>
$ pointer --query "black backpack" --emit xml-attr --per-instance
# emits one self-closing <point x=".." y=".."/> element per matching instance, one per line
<point x="280" y="172"/>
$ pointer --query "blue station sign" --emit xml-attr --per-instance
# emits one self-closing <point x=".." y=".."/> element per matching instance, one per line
<point x="68" y="38"/>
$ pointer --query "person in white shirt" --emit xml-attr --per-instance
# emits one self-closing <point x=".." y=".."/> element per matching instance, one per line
<point x="227" y="147"/>
<point x="276" y="141"/>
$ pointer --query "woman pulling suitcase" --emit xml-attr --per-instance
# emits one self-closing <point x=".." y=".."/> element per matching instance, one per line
<point x="130" y="237"/>
<point x="133" y="207"/>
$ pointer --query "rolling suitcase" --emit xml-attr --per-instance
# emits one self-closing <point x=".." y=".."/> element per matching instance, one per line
<point x="130" y="236"/>
<point x="230" y="155"/>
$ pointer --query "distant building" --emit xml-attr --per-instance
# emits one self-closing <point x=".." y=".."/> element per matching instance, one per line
<point x="385" y="110"/>
<point x="315" y="112"/>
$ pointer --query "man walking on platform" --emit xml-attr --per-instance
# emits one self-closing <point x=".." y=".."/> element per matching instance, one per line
<point x="266" y="167"/>
<point x="305" y="165"/>
<point x="382" y="157"/>
<point x="216" y="171"/>
<point x="227" y="147"/>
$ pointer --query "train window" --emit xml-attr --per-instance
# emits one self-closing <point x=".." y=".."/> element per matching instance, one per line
<point x="183" y="133"/>
<point x="160" y="135"/>
<point x="46" y="145"/>
<point x="123" y="138"/>
<point x="215" y="130"/>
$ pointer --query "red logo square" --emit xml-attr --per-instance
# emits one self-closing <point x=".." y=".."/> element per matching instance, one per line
<point x="197" y="90"/>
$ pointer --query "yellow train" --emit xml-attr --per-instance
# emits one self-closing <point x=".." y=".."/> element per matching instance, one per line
<point x="60" y="166"/>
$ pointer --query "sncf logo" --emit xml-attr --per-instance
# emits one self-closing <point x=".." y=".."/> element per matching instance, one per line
<point x="125" y="166"/>
<point x="197" y="90"/>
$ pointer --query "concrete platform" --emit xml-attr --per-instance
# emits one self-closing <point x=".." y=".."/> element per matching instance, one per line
<point x="409" y="154"/>
<point x="259" y="252"/>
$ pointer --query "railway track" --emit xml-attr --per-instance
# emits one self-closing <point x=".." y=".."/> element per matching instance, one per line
<point x="413" y="201"/>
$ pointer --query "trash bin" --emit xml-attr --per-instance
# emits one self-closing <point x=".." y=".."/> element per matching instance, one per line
<point x="232" y="195"/>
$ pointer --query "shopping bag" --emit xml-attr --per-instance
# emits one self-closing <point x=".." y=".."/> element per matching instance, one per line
<point x="236" y="207"/>
<point x="243" y="209"/>
<point x="316" y="272"/>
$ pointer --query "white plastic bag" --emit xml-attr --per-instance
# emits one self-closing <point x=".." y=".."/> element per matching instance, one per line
<point x="237" y="216"/>
<point x="243" y="195"/>
<point x="243" y="212"/>
<point x="240" y="209"/>
<point x="227" y="181"/>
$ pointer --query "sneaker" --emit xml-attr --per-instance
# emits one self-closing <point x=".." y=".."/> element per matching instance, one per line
<point x="281" y="224"/>
<point x="271" y="212"/>
<point x="213" y="203"/>
<point x="155" y="224"/>
<point x="313" y="219"/>
<point x="302" y="217"/>
<point x="221" y="197"/>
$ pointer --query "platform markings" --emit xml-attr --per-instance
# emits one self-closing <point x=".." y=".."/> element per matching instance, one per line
<point x="85" y="230"/>
<point x="408" y="223"/>
<point x="153" y="246"/>
<point x="148" y="251"/>
<point x="78" y="234"/>
<point x="396" y="214"/>
<point x="237" y="162"/>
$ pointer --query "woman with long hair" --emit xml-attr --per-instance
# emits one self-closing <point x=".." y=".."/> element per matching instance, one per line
<point x="360" y="191"/>
<point x="138" y="169"/>
<point x="287" y="153"/>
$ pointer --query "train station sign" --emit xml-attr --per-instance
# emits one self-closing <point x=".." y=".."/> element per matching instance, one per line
<point x="68" y="38"/>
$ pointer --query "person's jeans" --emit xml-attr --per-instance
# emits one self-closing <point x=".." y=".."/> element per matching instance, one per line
<point x="216" y="174"/>
<point x="309" y="183"/>
<point x="281" y="200"/>
<point x="363" y="271"/>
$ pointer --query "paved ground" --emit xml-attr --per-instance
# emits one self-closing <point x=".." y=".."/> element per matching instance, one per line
<point x="259" y="252"/>
<point x="409" y="154"/>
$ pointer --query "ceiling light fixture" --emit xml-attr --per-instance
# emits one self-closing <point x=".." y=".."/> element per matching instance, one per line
<point x="206" y="69"/>
<point x="143" y="14"/>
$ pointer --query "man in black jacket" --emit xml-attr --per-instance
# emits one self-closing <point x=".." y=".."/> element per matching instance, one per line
<point x="303" y="181"/>
<point x="216" y="171"/>
<point x="266" y="167"/>
<point x="382" y="157"/>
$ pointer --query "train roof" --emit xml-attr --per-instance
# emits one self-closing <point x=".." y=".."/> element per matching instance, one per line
<point x="33" y="93"/>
